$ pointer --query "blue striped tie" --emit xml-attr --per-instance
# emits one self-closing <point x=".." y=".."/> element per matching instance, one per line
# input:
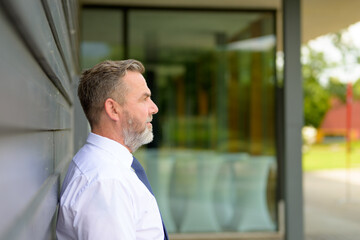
<point x="140" y="172"/>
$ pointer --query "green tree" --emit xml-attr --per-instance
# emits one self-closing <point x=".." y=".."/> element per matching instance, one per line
<point x="316" y="97"/>
<point x="356" y="90"/>
<point x="337" y="89"/>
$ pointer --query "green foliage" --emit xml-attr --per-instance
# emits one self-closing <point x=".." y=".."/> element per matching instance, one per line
<point x="316" y="98"/>
<point x="316" y="103"/>
<point x="356" y="90"/>
<point x="337" y="89"/>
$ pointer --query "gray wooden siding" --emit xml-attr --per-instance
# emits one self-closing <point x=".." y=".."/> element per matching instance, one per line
<point x="38" y="73"/>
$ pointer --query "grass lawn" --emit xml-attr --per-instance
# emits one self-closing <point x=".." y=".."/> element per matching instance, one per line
<point x="330" y="156"/>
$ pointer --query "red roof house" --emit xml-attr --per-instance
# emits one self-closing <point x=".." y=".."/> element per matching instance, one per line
<point x="334" y="122"/>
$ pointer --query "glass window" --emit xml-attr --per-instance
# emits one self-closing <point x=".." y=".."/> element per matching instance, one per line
<point x="212" y="164"/>
<point x="101" y="36"/>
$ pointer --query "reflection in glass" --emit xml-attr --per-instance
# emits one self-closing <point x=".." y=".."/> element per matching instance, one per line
<point x="101" y="36"/>
<point x="212" y="164"/>
<point x="212" y="76"/>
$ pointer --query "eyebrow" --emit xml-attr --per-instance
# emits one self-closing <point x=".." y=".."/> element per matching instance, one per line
<point x="147" y="94"/>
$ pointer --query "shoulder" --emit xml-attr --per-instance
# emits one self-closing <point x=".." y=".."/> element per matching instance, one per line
<point x="105" y="185"/>
<point x="95" y="162"/>
<point x="94" y="170"/>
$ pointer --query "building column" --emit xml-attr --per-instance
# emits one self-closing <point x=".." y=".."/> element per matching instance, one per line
<point x="293" y="119"/>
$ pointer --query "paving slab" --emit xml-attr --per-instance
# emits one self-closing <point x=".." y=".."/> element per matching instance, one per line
<point x="332" y="205"/>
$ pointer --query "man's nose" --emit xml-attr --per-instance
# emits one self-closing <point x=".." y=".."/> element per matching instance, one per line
<point x="153" y="108"/>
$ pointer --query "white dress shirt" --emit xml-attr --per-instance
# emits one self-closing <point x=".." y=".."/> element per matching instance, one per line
<point x="102" y="197"/>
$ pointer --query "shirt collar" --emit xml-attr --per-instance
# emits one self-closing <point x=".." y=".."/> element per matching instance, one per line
<point x="119" y="151"/>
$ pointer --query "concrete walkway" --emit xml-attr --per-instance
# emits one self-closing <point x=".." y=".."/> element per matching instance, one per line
<point x="332" y="205"/>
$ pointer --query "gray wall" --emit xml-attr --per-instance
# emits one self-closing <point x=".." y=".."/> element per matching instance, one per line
<point x="38" y="73"/>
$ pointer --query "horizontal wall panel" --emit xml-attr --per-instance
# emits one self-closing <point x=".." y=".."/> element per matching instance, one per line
<point x="61" y="33"/>
<point x="39" y="66"/>
<point x="63" y="148"/>
<point x="71" y="9"/>
<point x="30" y="19"/>
<point x="81" y="126"/>
<point x="26" y="161"/>
<point x="29" y="99"/>
<point x="36" y="220"/>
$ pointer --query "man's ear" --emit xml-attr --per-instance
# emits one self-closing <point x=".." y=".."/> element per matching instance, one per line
<point x="112" y="109"/>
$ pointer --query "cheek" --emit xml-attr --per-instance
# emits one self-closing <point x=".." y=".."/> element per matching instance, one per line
<point x="145" y="110"/>
<point x="141" y="116"/>
<point x="140" y="112"/>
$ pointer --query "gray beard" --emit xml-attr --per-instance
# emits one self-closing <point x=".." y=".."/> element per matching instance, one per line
<point x="134" y="139"/>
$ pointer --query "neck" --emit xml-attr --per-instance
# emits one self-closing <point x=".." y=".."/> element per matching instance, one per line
<point x="111" y="133"/>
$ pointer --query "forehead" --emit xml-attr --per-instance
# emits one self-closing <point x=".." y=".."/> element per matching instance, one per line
<point x="135" y="82"/>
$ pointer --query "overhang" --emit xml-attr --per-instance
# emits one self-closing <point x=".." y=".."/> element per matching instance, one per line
<point x="319" y="17"/>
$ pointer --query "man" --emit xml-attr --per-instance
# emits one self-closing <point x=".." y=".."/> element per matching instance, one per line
<point x="106" y="194"/>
